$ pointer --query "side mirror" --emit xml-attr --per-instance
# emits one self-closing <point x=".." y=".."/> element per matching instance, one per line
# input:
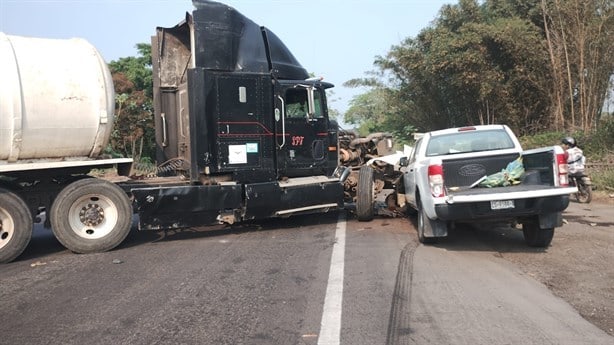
<point x="404" y="161"/>
<point x="310" y="103"/>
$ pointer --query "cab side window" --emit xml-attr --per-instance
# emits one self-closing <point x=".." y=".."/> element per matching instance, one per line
<point x="318" y="105"/>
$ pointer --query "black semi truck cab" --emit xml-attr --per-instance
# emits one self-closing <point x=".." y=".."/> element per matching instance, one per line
<point x="243" y="123"/>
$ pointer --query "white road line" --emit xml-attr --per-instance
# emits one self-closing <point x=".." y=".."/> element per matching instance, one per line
<point x="330" y="327"/>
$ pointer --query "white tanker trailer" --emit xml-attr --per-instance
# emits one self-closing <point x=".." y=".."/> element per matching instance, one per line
<point x="57" y="99"/>
<point x="56" y="117"/>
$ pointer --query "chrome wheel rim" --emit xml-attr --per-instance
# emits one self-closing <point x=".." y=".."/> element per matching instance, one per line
<point x="92" y="216"/>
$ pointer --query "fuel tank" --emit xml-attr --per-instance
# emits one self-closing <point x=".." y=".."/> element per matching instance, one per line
<point x="56" y="99"/>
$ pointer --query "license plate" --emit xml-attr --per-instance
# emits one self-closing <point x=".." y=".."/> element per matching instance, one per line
<point x="501" y="204"/>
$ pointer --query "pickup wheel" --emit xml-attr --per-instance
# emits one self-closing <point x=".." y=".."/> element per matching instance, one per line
<point x="536" y="237"/>
<point x="422" y="219"/>
<point x="15" y="225"/>
<point x="364" y="194"/>
<point x="91" y="215"/>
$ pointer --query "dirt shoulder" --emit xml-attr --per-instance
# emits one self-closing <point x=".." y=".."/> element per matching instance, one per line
<point x="579" y="265"/>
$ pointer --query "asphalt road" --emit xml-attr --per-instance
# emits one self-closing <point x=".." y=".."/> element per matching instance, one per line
<point x="302" y="280"/>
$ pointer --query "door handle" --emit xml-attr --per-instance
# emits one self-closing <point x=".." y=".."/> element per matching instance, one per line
<point x="164" y="142"/>
<point x="283" y="122"/>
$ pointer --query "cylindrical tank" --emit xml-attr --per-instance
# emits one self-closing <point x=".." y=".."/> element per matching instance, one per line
<point x="56" y="99"/>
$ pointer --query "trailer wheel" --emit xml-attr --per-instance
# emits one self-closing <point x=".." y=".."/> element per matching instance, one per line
<point x="91" y="215"/>
<point x="15" y="226"/>
<point x="364" y="194"/>
<point x="536" y="237"/>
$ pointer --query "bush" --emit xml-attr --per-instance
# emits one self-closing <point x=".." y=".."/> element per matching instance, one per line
<point x="601" y="142"/>
<point x="541" y="140"/>
<point x="603" y="179"/>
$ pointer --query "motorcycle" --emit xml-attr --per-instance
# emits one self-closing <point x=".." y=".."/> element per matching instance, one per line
<point x="583" y="182"/>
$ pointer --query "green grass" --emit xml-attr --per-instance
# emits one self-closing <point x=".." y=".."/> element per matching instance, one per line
<point x="603" y="179"/>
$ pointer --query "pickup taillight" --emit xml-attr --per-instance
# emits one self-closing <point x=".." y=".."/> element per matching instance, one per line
<point x="561" y="163"/>
<point x="436" y="180"/>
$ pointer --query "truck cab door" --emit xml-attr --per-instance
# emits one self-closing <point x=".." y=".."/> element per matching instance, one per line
<point x="306" y="143"/>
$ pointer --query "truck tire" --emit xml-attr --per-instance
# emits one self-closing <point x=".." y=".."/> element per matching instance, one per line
<point x="422" y="219"/>
<point x="364" y="194"/>
<point x="91" y="215"/>
<point x="536" y="237"/>
<point x="15" y="226"/>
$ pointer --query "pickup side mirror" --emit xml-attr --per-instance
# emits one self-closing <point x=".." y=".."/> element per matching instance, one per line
<point x="404" y="161"/>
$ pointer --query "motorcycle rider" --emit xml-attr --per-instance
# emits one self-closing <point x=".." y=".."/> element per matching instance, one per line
<point x="575" y="169"/>
<point x="575" y="157"/>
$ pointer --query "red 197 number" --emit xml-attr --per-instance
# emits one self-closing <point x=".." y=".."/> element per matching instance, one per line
<point x="297" y="140"/>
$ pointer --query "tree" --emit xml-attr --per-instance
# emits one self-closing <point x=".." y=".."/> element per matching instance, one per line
<point x="134" y="133"/>
<point x="579" y="35"/>
<point x="367" y="109"/>
<point x="333" y="113"/>
<point x="502" y="61"/>
<point x="471" y="68"/>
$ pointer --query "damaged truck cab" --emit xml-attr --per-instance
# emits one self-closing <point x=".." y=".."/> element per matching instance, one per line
<point x="243" y="127"/>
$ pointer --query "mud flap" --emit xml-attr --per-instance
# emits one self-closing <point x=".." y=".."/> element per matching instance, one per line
<point x="550" y="220"/>
<point x="435" y="227"/>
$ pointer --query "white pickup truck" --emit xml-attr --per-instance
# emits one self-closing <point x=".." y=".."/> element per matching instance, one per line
<point x="461" y="175"/>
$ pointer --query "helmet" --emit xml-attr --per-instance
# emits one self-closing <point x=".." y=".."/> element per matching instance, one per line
<point x="569" y="141"/>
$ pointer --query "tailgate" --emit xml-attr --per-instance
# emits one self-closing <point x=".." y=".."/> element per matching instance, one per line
<point x="521" y="191"/>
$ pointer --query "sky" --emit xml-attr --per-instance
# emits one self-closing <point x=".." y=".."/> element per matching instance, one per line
<point x="335" y="39"/>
